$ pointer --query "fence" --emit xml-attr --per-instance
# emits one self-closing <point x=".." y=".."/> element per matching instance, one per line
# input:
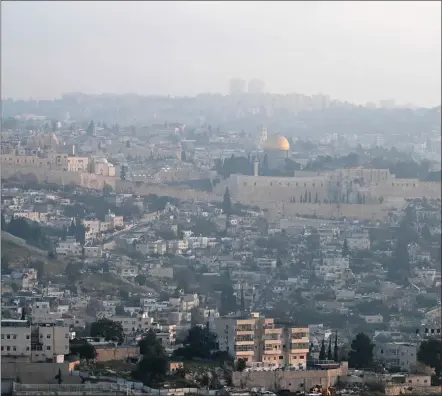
<point x="125" y="384"/>
<point x="68" y="389"/>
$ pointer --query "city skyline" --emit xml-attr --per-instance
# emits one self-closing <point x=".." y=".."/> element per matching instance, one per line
<point x="355" y="52"/>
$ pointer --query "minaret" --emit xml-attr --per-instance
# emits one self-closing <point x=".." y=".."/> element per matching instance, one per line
<point x="255" y="167"/>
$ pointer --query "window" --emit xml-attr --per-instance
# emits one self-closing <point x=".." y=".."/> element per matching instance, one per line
<point x="8" y="336"/>
<point x="8" y="348"/>
<point x="3" y="336"/>
<point x="27" y="348"/>
<point x="301" y="357"/>
<point x="48" y="348"/>
<point x="48" y="336"/>
<point x="14" y="337"/>
<point x="14" y="348"/>
<point x="2" y="348"/>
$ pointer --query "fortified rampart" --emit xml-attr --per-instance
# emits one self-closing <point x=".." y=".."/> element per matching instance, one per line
<point x="82" y="179"/>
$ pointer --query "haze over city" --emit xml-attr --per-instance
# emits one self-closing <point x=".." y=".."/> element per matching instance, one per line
<point x="353" y="51"/>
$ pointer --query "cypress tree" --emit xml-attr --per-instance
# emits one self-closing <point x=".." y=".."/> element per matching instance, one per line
<point x="336" y="350"/>
<point x="322" y="351"/>
<point x="329" y="352"/>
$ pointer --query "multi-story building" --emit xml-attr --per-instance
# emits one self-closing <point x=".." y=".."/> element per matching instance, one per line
<point x="69" y="248"/>
<point x="35" y="342"/>
<point x="262" y="341"/>
<point x="396" y="354"/>
<point x="16" y="338"/>
<point x="141" y="322"/>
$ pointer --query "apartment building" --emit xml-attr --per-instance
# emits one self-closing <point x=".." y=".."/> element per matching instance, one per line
<point x="69" y="248"/>
<point x="32" y="216"/>
<point x="136" y="323"/>
<point x="261" y="340"/>
<point x="396" y="354"/>
<point x="152" y="247"/>
<point x="115" y="221"/>
<point x="16" y="338"/>
<point x="37" y="343"/>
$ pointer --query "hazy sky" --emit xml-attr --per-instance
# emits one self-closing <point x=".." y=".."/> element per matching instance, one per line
<point x="355" y="51"/>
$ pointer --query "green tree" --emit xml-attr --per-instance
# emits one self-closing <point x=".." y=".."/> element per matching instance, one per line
<point x="322" y="351"/>
<point x="426" y="234"/>
<point x="110" y="330"/>
<point x="430" y="354"/>
<point x="241" y="365"/>
<point x="119" y="310"/>
<point x="199" y="343"/>
<point x="151" y="370"/>
<point x="83" y="349"/>
<point x="329" y="351"/>
<point x="59" y="377"/>
<point x="336" y="349"/>
<point x="5" y="263"/>
<point x="227" y="206"/>
<point x="345" y="249"/>
<point x="228" y="300"/>
<point x="90" y="128"/>
<point x="361" y="354"/>
<point x="153" y="366"/>
<point x="107" y="189"/>
<point x="141" y="279"/>
<point x="399" y="264"/>
<point x="150" y="345"/>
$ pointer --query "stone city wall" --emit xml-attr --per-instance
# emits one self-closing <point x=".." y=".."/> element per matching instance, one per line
<point x="29" y="173"/>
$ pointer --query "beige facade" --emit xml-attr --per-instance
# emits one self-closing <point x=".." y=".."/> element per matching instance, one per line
<point x="16" y="338"/>
<point x="33" y="216"/>
<point x="37" y="342"/>
<point x="78" y="164"/>
<point x="53" y="341"/>
<point x="291" y="380"/>
<point x="261" y="340"/>
<point x="51" y="161"/>
<point x="47" y="174"/>
<point x="140" y="322"/>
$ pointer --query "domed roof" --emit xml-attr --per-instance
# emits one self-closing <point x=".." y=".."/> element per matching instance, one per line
<point x="277" y="142"/>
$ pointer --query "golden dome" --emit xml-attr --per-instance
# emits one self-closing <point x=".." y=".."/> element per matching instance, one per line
<point x="277" y="143"/>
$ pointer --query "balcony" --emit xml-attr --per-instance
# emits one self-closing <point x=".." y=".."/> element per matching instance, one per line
<point x="244" y="339"/>
<point x="245" y="353"/>
<point x="298" y="347"/>
<point x="273" y="337"/>
<point x="245" y="328"/>
<point x="245" y="332"/>
<point x="300" y="335"/>
<point x="272" y="351"/>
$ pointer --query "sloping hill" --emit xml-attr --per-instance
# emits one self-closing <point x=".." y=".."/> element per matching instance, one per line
<point x="19" y="255"/>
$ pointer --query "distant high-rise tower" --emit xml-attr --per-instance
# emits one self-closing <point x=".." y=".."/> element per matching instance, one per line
<point x="256" y="86"/>
<point x="237" y="86"/>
